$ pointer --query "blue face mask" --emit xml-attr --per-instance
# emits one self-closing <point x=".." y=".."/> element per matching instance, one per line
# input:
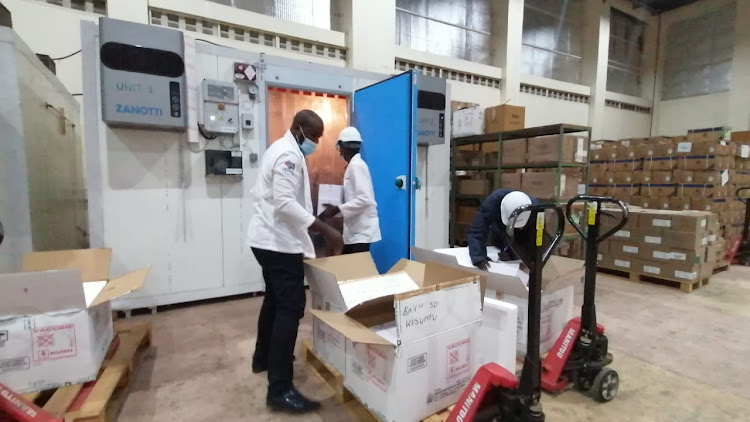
<point x="307" y="146"/>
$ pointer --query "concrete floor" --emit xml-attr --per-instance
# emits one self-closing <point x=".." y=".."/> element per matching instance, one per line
<point x="681" y="357"/>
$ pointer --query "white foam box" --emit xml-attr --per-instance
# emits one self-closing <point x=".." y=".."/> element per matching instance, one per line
<point x="468" y="121"/>
<point x="418" y="345"/>
<point x="340" y="283"/>
<point x="497" y="336"/>
<point x="559" y="278"/>
<point x="56" y="320"/>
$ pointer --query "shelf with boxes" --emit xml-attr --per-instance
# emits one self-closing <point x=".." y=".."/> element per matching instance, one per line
<point x="698" y="171"/>
<point x="547" y="162"/>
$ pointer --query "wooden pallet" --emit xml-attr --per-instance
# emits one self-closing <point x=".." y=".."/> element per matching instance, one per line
<point x="89" y="402"/>
<point x="721" y="266"/>
<point x="683" y="285"/>
<point x="332" y="378"/>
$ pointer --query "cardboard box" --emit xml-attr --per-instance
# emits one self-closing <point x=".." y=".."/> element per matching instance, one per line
<point x="626" y="165"/>
<point x="510" y="180"/>
<point x="624" y="248"/>
<point x="655" y="203"/>
<point x="469" y="157"/>
<point x="543" y="184"/>
<point x="655" y="150"/>
<point x="503" y="118"/>
<point x="705" y="148"/>
<point x="421" y="344"/>
<point x="708" y="204"/>
<point x="598" y="168"/>
<point x="340" y="283"/>
<point x="690" y="221"/>
<point x="642" y="176"/>
<point x="514" y="151"/>
<point x="652" y="190"/>
<point x="659" y="177"/>
<point x="459" y="105"/>
<point x="465" y="214"/>
<point x="624" y="177"/>
<point x="708" y="134"/>
<point x="715" y="177"/>
<point x="605" y="153"/>
<point x="544" y="149"/>
<point x="704" y="163"/>
<point x="56" y="319"/>
<point x="622" y="191"/>
<point x="559" y="277"/>
<point x="606" y="178"/>
<point x="467" y="122"/>
<point x="680" y="203"/>
<point x="683" y="176"/>
<point x="473" y="186"/>
<point x="700" y="191"/>
<point x="742" y="137"/>
<point x="659" y="163"/>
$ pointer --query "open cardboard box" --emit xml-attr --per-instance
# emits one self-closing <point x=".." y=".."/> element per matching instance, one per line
<point x="559" y="277"/>
<point x="339" y="283"/>
<point x="55" y="318"/>
<point x="418" y="344"/>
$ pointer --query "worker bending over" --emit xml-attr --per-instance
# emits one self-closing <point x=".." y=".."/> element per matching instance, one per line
<point x="359" y="209"/>
<point x="492" y="219"/>
<point x="278" y="235"/>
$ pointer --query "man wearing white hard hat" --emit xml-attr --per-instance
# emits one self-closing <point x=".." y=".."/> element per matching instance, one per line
<point x="359" y="209"/>
<point x="492" y="219"/>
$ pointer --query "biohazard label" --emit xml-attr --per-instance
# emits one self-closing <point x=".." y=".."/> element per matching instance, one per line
<point x="54" y="342"/>
<point x="458" y="359"/>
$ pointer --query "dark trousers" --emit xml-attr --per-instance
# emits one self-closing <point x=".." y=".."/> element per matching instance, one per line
<point x="355" y="248"/>
<point x="283" y="307"/>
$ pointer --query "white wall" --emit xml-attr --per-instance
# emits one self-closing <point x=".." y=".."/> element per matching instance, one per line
<point x="676" y="117"/>
<point x="621" y="124"/>
<point x="542" y="111"/>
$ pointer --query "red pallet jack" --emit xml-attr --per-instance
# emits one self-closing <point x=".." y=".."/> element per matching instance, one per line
<point x="495" y="393"/>
<point x="739" y="252"/>
<point x="580" y="354"/>
<point x="15" y="408"/>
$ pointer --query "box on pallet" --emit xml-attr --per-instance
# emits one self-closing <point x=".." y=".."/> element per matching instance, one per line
<point x="653" y="190"/>
<point x="510" y="180"/>
<point x="503" y="118"/>
<point x="605" y="153"/>
<point x="693" y="162"/>
<point x="559" y="278"/>
<point x="705" y="148"/>
<point x="659" y="163"/>
<point x="626" y="165"/>
<point x="55" y="318"/>
<point x="421" y="343"/>
<point x="708" y="134"/>
<point x="544" y="149"/>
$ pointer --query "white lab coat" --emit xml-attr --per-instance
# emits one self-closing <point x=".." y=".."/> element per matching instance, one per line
<point x="283" y="206"/>
<point x="360" y="211"/>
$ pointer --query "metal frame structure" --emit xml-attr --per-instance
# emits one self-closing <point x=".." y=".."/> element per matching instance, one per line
<point x="560" y="129"/>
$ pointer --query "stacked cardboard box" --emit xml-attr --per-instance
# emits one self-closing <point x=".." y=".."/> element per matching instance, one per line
<point x="700" y="171"/>
<point x="673" y="245"/>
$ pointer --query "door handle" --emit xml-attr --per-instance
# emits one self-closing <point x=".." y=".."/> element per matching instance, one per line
<point x="400" y="182"/>
<point x="417" y="183"/>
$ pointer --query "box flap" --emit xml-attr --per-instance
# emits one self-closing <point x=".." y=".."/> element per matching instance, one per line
<point x="93" y="264"/>
<point x="38" y="292"/>
<point x="121" y="286"/>
<point x="434" y="309"/>
<point x="559" y="267"/>
<point x="350" y="328"/>
<point x="346" y="267"/>
<point x="413" y="268"/>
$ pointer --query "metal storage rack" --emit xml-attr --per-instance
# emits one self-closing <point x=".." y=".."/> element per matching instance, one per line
<point x="461" y="170"/>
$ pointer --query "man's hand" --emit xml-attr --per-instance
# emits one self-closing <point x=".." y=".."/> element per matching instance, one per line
<point x="334" y="241"/>
<point x="483" y="265"/>
<point x="330" y="211"/>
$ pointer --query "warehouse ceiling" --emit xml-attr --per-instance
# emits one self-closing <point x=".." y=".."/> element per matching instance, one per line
<point x="661" y="6"/>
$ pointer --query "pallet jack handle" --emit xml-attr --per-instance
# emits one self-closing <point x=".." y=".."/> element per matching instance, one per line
<point x="746" y="200"/>
<point x="534" y="257"/>
<point x="593" y="214"/>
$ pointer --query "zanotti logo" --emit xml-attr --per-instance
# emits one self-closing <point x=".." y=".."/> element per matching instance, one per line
<point x="566" y="342"/>
<point x="468" y="402"/>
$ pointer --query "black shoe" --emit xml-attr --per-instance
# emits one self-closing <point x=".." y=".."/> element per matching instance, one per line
<point x="291" y="401"/>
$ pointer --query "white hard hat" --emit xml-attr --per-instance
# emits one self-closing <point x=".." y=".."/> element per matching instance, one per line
<point x="509" y="204"/>
<point x="350" y="134"/>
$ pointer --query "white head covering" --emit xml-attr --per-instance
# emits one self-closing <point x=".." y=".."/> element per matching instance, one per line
<point x="509" y="204"/>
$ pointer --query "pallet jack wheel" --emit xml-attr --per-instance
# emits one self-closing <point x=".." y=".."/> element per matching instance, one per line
<point x="605" y="385"/>
<point x="584" y="381"/>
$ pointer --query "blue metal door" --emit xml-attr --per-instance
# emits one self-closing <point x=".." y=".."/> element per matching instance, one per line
<point x="385" y="114"/>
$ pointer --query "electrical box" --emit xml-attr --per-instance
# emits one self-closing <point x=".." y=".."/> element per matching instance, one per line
<point x="223" y="163"/>
<point x="142" y="76"/>
<point x="248" y="121"/>
<point x="431" y="106"/>
<point x="220" y="107"/>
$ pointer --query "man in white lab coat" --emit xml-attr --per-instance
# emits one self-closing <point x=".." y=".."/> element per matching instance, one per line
<point x="359" y="209"/>
<point x="278" y="235"/>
